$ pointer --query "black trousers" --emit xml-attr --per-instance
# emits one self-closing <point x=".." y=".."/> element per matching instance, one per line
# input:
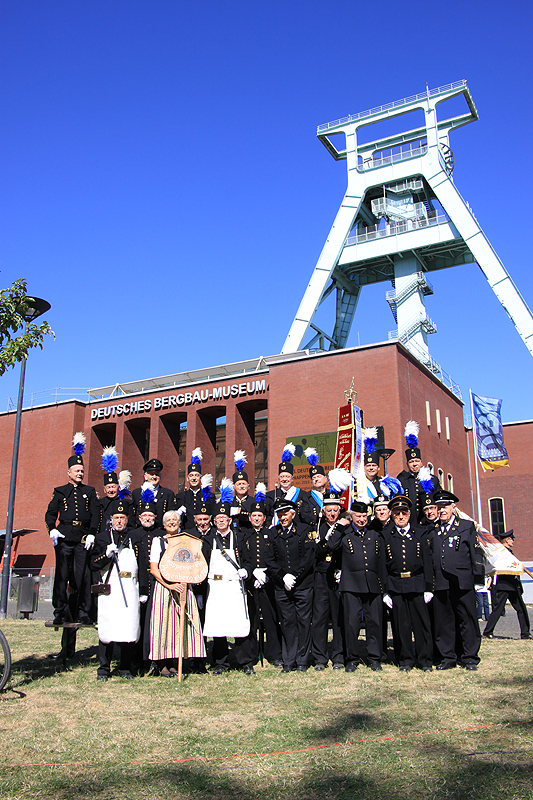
<point x="295" y="610"/>
<point x="71" y="567"/>
<point x="105" y="654"/>
<point x="260" y="602"/>
<point x="410" y="618"/>
<point x="372" y="607"/>
<point x="517" y="602"/>
<point x="326" y="606"/>
<point x="457" y="634"/>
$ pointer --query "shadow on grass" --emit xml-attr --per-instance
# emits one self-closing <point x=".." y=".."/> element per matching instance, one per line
<point x="344" y="727"/>
<point x="463" y="779"/>
<point x="31" y="668"/>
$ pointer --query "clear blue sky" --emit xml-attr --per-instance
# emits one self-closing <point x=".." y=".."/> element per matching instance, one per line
<point x="163" y="187"/>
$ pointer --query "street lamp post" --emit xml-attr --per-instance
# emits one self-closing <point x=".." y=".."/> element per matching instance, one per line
<point x="32" y="308"/>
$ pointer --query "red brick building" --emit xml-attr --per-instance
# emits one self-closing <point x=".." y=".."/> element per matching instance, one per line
<point x="256" y="406"/>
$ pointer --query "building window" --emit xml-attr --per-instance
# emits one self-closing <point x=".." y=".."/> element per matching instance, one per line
<point x="450" y="482"/>
<point x="441" y="477"/>
<point x="431" y="468"/>
<point x="497" y="516"/>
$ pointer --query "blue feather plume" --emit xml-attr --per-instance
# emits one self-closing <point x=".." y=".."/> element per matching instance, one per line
<point x="78" y="443"/>
<point x="207" y="494"/>
<point x="123" y="493"/>
<point x="226" y="491"/>
<point x="288" y="452"/>
<point x="425" y="480"/>
<point x="196" y="456"/>
<point x="411" y="433"/>
<point x="393" y="485"/>
<point x="239" y="459"/>
<point x="311" y="456"/>
<point x="147" y="495"/>
<point x="109" y="459"/>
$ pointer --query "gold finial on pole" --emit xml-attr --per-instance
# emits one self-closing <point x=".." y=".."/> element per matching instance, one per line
<point x="350" y="394"/>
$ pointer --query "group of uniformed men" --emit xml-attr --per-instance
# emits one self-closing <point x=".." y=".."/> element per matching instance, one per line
<point x="302" y="561"/>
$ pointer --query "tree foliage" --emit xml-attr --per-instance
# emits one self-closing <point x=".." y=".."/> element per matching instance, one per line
<point x="15" y="348"/>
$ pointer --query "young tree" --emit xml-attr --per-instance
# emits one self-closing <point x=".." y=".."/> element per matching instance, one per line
<point x="15" y="348"/>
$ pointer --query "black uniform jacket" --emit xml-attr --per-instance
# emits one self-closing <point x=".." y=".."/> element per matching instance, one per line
<point x="77" y="509"/>
<point x="457" y="553"/>
<point x="327" y="562"/>
<point x="362" y="560"/>
<point x="415" y="493"/>
<point x="409" y="561"/>
<point x="255" y="548"/>
<point x="99" y="560"/>
<point x="192" y="501"/>
<point x="291" y="551"/>
<point x="244" y="506"/>
<point x="142" y="538"/>
<point x="164" y="502"/>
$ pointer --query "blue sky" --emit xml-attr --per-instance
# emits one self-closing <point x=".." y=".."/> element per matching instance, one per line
<point x="163" y="188"/>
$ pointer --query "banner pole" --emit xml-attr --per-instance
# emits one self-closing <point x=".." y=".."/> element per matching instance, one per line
<point x="474" y="441"/>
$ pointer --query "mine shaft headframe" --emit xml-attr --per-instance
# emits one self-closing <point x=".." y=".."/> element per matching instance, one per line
<point x="431" y="98"/>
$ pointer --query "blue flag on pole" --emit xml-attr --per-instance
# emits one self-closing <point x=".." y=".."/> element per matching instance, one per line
<point x="488" y="429"/>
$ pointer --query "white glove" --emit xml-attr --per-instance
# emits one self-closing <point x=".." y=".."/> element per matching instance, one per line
<point x="289" y="581"/>
<point x="242" y="573"/>
<point x="428" y="596"/>
<point x="55" y="536"/>
<point x="143" y="598"/>
<point x="260" y="576"/>
<point x="257" y="585"/>
<point x="387" y="599"/>
<point x="181" y="511"/>
<point x="89" y="541"/>
<point x="110" y="549"/>
<point x="338" y="574"/>
<point x="328" y="534"/>
<point x="234" y="511"/>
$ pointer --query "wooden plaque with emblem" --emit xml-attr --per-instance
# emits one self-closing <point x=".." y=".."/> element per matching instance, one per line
<point x="183" y="560"/>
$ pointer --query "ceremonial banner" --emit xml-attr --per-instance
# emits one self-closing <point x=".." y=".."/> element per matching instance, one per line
<point x="345" y="445"/>
<point x="498" y="558"/>
<point x="488" y="430"/>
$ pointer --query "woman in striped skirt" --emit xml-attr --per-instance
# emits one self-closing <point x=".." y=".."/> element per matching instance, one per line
<point x="165" y="612"/>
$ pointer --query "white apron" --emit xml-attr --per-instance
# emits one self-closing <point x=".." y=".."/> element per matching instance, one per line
<point x="116" y="623"/>
<point x="226" y="609"/>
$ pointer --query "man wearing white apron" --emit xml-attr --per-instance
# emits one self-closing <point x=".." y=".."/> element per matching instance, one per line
<point x="226" y="612"/>
<point x="118" y="610"/>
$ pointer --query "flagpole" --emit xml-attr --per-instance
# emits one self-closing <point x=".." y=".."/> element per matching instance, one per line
<point x="474" y="442"/>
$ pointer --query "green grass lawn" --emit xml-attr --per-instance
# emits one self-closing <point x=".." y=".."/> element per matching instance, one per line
<point x="367" y="735"/>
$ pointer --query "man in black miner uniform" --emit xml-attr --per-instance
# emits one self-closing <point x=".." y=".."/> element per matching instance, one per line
<point x="191" y="498"/>
<point x="508" y="587"/>
<point x="381" y="514"/>
<point x="409" y="584"/>
<point x="362" y="585"/>
<point x="284" y="489"/>
<point x="410" y="481"/>
<point x="458" y="565"/>
<point x="76" y="507"/>
<point x="326" y="596"/>
<point x="163" y="498"/>
<point x="141" y="540"/>
<point x="311" y="508"/>
<point x="242" y="502"/>
<point x="260" y="590"/>
<point x="431" y="512"/>
<point x="110" y="494"/>
<point x="290" y="561"/>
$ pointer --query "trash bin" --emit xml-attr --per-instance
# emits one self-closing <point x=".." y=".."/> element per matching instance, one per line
<point x="28" y="595"/>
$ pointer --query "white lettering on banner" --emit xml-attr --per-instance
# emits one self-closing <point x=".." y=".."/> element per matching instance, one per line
<point x="173" y="400"/>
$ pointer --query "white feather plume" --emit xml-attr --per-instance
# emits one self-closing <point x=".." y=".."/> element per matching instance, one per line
<point x="206" y="480"/>
<point x="424" y="474"/>
<point x="370" y="433"/>
<point x="412" y="428"/>
<point x="124" y="479"/>
<point x="240" y="455"/>
<point x="147" y="485"/>
<point x="261" y="488"/>
<point x="79" y="438"/>
<point x="226" y="483"/>
<point x="290" y="447"/>
<point x="197" y="452"/>
<point x="310" y="451"/>
<point x="339" y="480"/>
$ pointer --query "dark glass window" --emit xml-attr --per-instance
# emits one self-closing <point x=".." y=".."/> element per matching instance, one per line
<point x="497" y="517"/>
